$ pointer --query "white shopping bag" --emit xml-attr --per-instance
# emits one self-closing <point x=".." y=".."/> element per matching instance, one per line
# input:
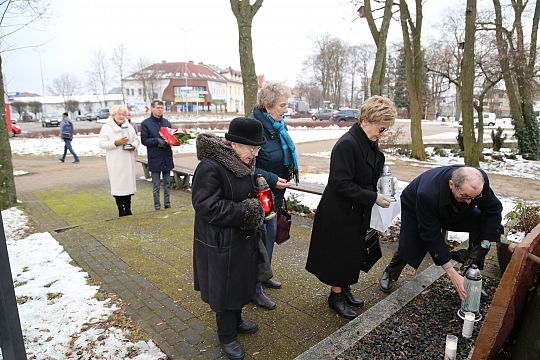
<point x="381" y="218"/>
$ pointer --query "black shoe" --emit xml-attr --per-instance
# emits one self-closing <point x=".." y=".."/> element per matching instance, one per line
<point x="386" y="283"/>
<point x="263" y="301"/>
<point x="339" y="304"/>
<point x="349" y="297"/>
<point x="273" y="284"/>
<point x="247" y="327"/>
<point x="233" y="350"/>
<point x="167" y="206"/>
<point x="461" y="255"/>
<point x="60" y="159"/>
<point x="484" y="295"/>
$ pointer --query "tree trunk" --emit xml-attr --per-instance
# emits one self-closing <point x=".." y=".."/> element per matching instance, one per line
<point x="244" y="13"/>
<point x="468" y="75"/>
<point x="414" y="68"/>
<point x="8" y="194"/>
<point x="379" y="36"/>
<point x="518" y="74"/>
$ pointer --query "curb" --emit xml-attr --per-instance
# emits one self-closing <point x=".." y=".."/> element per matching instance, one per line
<point x="345" y="337"/>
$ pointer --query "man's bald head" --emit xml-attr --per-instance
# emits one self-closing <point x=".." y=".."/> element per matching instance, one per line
<point x="467" y="175"/>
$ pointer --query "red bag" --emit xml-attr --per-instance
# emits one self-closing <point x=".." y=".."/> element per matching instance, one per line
<point x="168" y="135"/>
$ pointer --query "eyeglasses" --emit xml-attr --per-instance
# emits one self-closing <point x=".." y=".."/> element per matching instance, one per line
<point x="383" y="130"/>
<point x="467" y="197"/>
<point x="254" y="149"/>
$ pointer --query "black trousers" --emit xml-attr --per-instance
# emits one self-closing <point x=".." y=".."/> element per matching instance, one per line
<point x="123" y="202"/>
<point x="470" y="224"/>
<point x="227" y="325"/>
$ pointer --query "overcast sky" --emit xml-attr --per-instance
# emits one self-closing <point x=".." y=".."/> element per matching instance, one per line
<point x="177" y="30"/>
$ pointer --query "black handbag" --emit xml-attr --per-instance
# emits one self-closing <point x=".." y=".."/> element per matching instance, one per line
<point x="371" y="250"/>
<point x="284" y="222"/>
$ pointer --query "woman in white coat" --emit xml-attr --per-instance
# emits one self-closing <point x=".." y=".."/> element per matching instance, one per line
<point x="115" y="137"/>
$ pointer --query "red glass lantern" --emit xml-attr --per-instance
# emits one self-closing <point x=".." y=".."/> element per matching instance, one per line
<point x="264" y="194"/>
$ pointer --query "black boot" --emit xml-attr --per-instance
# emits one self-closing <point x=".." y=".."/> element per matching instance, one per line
<point x="128" y="206"/>
<point x="121" y="211"/>
<point x="339" y="304"/>
<point x="349" y="297"/>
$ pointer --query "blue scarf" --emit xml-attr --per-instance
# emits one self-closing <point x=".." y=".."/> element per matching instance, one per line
<point x="289" y="150"/>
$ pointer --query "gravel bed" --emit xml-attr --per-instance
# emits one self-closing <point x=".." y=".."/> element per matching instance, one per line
<point x="418" y="330"/>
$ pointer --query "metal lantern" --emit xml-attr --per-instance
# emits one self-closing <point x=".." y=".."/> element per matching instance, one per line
<point x="473" y="286"/>
<point x="264" y="194"/>
<point x="387" y="184"/>
<point x="126" y="134"/>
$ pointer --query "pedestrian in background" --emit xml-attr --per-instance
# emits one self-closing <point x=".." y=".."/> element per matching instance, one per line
<point x="343" y="216"/>
<point x="120" y="159"/>
<point x="228" y="216"/>
<point x="277" y="162"/>
<point x="66" y="133"/>
<point x="160" y="157"/>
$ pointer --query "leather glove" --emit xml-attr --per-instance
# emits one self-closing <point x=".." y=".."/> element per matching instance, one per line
<point x="161" y="143"/>
<point x="382" y="200"/>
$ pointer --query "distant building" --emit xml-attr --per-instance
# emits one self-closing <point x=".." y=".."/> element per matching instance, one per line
<point x="184" y="87"/>
<point x="235" y="90"/>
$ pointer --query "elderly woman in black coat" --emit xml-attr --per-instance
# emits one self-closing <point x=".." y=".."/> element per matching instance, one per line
<point x="227" y="220"/>
<point x="344" y="212"/>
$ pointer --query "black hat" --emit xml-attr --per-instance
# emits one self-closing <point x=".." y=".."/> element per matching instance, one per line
<point x="245" y="131"/>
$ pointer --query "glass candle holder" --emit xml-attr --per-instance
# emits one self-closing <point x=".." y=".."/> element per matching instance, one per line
<point x="450" y="350"/>
<point x="468" y="325"/>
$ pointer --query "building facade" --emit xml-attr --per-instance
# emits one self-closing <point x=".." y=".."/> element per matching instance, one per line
<point x="183" y="86"/>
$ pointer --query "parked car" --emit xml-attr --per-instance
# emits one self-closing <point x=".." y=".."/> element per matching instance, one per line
<point x="102" y="113"/>
<point x="489" y="119"/>
<point x="323" y="114"/>
<point x="345" y="115"/>
<point x="50" y="120"/>
<point x="87" y="116"/>
<point x="15" y="129"/>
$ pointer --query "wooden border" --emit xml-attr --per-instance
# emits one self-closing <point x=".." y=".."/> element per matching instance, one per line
<point x="509" y="299"/>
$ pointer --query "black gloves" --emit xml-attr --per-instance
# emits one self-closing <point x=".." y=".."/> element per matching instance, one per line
<point x="477" y="256"/>
<point x="161" y="143"/>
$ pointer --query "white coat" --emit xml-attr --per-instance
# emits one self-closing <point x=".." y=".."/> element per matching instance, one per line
<point x="120" y="162"/>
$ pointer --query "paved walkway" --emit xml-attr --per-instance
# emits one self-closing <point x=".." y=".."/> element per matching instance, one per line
<point x="146" y="260"/>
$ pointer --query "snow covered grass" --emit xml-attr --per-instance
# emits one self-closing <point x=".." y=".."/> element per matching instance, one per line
<point x="61" y="314"/>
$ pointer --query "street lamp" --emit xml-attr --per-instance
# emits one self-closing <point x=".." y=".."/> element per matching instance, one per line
<point x="185" y="31"/>
<point x="41" y="71"/>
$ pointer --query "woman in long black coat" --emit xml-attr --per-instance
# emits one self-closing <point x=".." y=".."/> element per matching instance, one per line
<point x="227" y="217"/>
<point x="344" y="212"/>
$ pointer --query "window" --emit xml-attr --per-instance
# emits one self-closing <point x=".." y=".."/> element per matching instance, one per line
<point x="140" y="91"/>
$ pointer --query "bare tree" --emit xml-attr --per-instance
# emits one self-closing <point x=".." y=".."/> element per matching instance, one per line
<point x="66" y="85"/>
<point x="467" y="89"/>
<point x="98" y="74"/>
<point x="35" y="107"/>
<point x="414" y="66"/>
<point x="33" y="10"/>
<point x="20" y="107"/>
<point x="244" y="13"/>
<point x="328" y="64"/>
<point x="119" y="59"/>
<point x="379" y="36"/>
<point x="518" y="56"/>
<point x="361" y="58"/>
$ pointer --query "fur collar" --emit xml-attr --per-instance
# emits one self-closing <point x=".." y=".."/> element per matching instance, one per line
<point x="113" y="125"/>
<point x="220" y="150"/>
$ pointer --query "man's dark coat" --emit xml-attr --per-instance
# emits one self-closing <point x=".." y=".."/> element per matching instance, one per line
<point x="428" y="208"/>
<point x="159" y="158"/>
